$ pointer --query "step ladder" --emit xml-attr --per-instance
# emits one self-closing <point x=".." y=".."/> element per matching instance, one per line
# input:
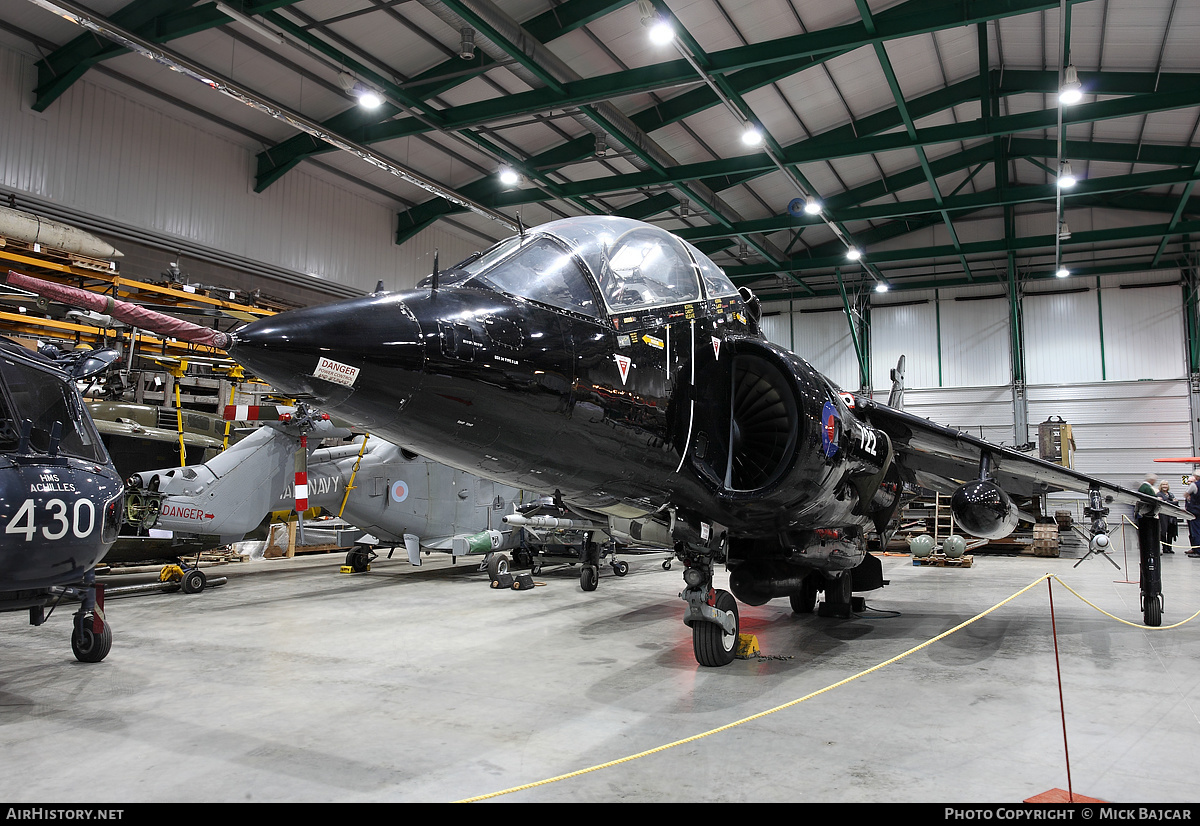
<point x="943" y="523"/>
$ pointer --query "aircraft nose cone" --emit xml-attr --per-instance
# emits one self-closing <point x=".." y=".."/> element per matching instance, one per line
<point x="362" y="356"/>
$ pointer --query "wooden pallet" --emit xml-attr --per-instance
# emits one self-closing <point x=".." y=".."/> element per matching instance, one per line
<point x="943" y="561"/>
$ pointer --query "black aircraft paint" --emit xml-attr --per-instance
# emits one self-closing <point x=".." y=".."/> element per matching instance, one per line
<point x="608" y="361"/>
<point x="61" y="499"/>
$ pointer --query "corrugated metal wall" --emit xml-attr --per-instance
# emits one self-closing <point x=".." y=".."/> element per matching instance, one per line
<point x="99" y="152"/>
<point x="1109" y="359"/>
<point x="821" y="336"/>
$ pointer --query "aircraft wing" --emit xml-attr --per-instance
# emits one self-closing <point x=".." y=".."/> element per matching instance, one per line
<point x="941" y="458"/>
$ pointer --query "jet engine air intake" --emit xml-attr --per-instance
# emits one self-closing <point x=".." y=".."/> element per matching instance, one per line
<point x="756" y="421"/>
<point x="983" y="509"/>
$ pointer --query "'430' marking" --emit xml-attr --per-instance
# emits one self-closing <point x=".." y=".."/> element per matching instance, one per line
<point x="81" y="523"/>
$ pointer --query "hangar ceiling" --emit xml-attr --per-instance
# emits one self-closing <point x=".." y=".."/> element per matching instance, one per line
<point x="930" y="131"/>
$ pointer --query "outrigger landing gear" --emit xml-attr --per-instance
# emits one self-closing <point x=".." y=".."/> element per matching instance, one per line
<point x="1151" y="573"/>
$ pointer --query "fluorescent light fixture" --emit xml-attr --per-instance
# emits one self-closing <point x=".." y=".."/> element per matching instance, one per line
<point x="250" y="23"/>
<point x="1072" y="90"/>
<point x="509" y="176"/>
<point x="1063" y="272"/>
<point x="752" y="137"/>
<point x="1066" y="179"/>
<point x="812" y="206"/>
<point x="853" y="254"/>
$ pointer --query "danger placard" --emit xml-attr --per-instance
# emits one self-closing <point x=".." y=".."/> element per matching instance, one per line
<point x="336" y="372"/>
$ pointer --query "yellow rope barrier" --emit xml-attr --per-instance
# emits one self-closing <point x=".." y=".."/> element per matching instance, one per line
<point x="1118" y="619"/>
<point x="817" y="693"/>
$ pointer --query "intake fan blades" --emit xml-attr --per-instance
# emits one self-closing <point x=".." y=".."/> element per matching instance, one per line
<point x="762" y="426"/>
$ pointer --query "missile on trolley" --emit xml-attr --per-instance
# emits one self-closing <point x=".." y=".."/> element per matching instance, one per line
<point x="33" y="229"/>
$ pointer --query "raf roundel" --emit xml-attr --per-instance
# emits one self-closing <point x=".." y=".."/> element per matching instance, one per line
<point x="399" y="490"/>
<point x="830" y="422"/>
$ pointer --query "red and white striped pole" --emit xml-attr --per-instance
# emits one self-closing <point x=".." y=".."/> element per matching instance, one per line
<point x="301" y="485"/>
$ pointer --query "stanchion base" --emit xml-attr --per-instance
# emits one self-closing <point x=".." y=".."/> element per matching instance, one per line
<point x="1061" y="796"/>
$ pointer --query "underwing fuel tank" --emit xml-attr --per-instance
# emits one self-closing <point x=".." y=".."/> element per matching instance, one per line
<point x="983" y="509"/>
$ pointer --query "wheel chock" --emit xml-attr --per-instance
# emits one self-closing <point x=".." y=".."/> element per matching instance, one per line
<point x="503" y="581"/>
<point x="747" y="647"/>
<point x="349" y="569"/>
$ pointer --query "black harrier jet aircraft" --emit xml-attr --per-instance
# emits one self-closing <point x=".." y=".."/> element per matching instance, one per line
<point x="61" y="499"/>
<point x="610" y="361"/>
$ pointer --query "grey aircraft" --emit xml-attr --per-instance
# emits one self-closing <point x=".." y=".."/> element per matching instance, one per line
<point x="394" y="497"/>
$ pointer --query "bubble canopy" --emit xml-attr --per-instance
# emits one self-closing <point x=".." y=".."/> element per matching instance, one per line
<point x="632" y="266"/>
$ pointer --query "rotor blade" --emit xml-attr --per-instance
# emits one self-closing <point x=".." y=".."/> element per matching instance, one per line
<point x="252" y="412"/>
<point x="124" y="311"/>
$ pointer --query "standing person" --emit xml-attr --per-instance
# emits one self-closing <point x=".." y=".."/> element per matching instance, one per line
<point x="1168" y="526"/>
<point x="1191" y="503"/>
<point x="1150" y="486"/>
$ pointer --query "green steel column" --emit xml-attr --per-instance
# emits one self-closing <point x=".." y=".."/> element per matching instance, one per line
<point x="862" y="367"/>
<point x="1100" y="321"/>
<point x="937" y="311"/>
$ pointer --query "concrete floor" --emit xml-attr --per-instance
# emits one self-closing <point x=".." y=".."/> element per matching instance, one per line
<point x="294" y="682"/>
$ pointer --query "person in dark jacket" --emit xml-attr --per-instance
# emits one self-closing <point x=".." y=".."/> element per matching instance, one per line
<point x="1191" y="503"/>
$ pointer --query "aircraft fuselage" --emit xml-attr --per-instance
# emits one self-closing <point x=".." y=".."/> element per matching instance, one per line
<point x="622" y="415"/>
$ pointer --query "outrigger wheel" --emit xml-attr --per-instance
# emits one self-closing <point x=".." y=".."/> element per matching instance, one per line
<point x="1152" y="610"/>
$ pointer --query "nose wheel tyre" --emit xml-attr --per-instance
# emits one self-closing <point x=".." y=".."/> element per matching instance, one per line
<point x="89" y="646"/>
<point x="711" y="645"/>
<point x="621" y="568"/>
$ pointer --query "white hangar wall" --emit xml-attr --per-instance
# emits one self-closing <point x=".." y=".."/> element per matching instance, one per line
<point x="99" y="152"/>
<point x="1109" y="357"/>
